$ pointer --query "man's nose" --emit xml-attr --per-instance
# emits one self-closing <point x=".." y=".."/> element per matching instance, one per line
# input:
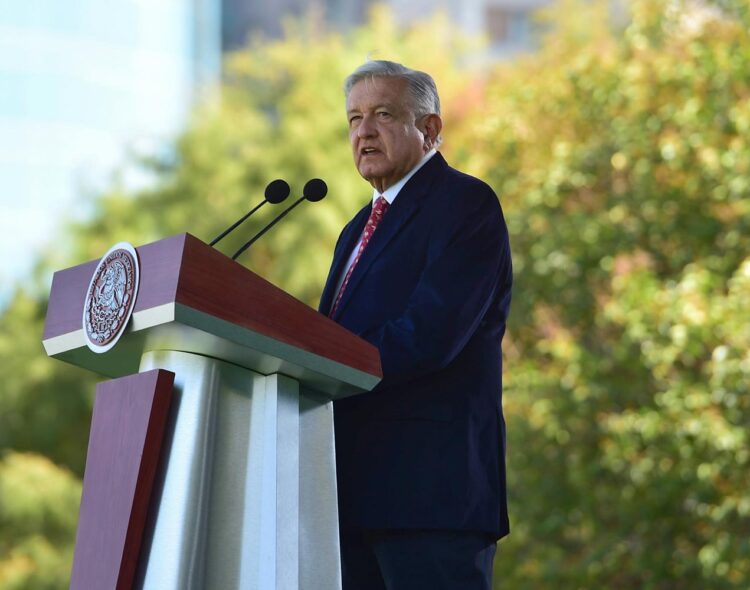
<point x="366" y="127"/>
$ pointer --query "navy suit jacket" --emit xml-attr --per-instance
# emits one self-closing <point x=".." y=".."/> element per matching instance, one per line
<point x="425" y="449"/>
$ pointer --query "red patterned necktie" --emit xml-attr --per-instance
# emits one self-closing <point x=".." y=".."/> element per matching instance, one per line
<point x="378" y="210"/>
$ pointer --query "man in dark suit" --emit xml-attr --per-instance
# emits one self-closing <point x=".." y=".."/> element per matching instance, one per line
<point x="423" y="273"/>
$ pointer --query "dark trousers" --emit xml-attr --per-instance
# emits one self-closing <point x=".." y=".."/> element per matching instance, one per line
<point x="416" y="560"/>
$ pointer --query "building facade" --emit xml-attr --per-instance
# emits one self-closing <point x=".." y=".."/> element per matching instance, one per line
<point x="507" y="24"/>
<point x="82" y="83"/>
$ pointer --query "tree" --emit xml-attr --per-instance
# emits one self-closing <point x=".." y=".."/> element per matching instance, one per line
<point x="38" y="511"/>
<point x="623" y="166"/>
<point x="622" y="162"/>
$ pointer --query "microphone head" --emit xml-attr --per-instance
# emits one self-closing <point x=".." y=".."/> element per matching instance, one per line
<point x="277" y="191"/>
<point x="315" y="190"/>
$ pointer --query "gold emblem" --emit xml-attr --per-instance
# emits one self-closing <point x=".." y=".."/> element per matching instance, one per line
<point x="110" y="297"/>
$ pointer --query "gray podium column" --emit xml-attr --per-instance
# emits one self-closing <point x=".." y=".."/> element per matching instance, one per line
<point x="247" y="494"/>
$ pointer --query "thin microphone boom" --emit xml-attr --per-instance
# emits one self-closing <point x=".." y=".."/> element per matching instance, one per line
<point x="231" y="228"/>
<point x="313" y="191"/>
<point x="265" y="229"/>
<point x="275" y="192"/>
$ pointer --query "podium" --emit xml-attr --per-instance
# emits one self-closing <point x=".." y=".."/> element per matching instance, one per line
<point x="211" y="455"/>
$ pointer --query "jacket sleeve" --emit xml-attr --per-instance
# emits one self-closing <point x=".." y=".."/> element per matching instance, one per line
<point x="459" y="283"/>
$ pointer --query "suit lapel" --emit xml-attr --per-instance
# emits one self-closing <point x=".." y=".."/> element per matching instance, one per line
<point x="348" y="240"/>
<point x="398" y="216"/>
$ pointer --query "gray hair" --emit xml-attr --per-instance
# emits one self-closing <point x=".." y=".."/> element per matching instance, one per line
<point x="421" y="86"/>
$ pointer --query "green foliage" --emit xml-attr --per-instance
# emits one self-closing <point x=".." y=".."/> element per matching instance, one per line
<point x="38" y="511"/>
<point x="622" y="159"/>
<point x="44" y="406"/>
<point x="624" y="172"/>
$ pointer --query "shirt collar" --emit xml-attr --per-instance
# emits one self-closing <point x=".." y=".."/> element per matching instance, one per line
<point x="392" y="191"/>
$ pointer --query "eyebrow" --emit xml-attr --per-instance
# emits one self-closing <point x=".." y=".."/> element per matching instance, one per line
<point x="386" y="105"/>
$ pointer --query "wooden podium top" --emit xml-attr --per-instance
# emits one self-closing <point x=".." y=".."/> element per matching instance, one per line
<point x="193" y="298"/>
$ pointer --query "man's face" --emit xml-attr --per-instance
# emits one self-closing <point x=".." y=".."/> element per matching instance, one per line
<point x="385" y="137"/>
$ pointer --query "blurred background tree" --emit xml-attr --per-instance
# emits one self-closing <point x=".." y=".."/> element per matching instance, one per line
<point x="622" y="161"/>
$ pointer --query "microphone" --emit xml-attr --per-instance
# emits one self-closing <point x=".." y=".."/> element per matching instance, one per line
<point x="313" y="191"/>
<point x="276" y="191"/>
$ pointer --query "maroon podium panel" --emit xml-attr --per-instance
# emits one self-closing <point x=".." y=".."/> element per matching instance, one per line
<point x="196" y="299"/>
<point x="127" y="430"/>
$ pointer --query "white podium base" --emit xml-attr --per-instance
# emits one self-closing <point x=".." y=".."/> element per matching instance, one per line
<point x="246" y="496"/>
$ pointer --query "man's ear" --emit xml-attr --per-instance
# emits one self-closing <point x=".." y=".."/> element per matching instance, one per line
<point x="433" y="124"/>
